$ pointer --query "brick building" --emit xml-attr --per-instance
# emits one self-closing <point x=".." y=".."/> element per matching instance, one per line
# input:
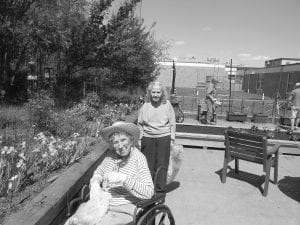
<point x="278" y="77"/>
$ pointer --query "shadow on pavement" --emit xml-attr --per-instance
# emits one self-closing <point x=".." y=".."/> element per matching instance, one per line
<point x="250" y="178"/>
<point x="290" y="186"/>
<point x="172" y="186"/>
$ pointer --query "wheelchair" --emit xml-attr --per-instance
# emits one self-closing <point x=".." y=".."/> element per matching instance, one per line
<point x="147" y="212"/>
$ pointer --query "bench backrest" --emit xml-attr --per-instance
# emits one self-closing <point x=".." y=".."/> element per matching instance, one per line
<point x="246" y="146"/>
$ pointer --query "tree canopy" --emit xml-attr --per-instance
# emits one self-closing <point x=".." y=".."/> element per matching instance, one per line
<point x="76" y="37"/>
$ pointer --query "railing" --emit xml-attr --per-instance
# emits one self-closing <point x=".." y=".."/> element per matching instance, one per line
<point x="267" y="107"/>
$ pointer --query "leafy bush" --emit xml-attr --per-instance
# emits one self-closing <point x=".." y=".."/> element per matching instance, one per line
<point x="13" y="116"/>
<point x="40" y="108"/>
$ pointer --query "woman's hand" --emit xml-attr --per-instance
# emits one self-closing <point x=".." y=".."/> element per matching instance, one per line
<point x="96" y="178"/>
<point x="172" y="141"/>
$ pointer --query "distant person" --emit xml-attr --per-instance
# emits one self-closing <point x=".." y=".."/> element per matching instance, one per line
<point x="294" y="99"/>
<point x="210" y="101"/>
<point x="157" y="125"/>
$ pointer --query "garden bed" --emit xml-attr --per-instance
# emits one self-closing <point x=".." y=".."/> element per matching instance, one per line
<point x="44" y="202"/>
<point x="20" y="199"/>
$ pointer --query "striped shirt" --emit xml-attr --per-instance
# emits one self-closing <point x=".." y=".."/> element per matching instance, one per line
<point x="138" y="184"/>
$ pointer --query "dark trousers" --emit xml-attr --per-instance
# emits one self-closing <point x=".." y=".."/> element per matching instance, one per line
<point x="157" y="152"/>
<point x="211" y="108"/>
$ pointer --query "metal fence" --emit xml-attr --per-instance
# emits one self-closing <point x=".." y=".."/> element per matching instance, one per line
<point x="268" y="107"/>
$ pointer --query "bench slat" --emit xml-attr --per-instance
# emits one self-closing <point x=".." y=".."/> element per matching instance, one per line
<point x="251" y="158"/>
<point x="246" y="145"/>
<point x="247" y="136"/>
<point x="258" y="146"/>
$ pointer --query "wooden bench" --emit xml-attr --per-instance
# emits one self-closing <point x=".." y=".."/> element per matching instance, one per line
<point x="252" y="148"/>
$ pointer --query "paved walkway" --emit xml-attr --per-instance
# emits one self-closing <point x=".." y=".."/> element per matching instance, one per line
<point x="201" y="198"/>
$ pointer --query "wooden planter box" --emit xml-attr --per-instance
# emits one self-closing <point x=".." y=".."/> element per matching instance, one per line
<point x="259" y="118"/>
<point x="240" y="117"/>
<point x="285" y="121"/>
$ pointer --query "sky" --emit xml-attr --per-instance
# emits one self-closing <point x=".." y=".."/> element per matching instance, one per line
<point x="247" y="31"/>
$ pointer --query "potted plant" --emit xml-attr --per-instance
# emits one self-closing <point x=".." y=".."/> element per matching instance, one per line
<point x="236" y="116"/>
<point x="260" y="117"/>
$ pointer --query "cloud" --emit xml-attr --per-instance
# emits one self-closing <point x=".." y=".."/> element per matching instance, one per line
<point x="249" y="56"/>
<point x="245" y="55"/>
<point x="180" y="43"/>
<point x="206" y="29"/>
<point x="260" y="57"/>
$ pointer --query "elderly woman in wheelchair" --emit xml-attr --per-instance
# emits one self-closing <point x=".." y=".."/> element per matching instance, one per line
<point x="123" y="184"/>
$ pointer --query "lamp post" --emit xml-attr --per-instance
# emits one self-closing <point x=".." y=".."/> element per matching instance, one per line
<point x="174" y="77"/>
<point x="230" y="78"/>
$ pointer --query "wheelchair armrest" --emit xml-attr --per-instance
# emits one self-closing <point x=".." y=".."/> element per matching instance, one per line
<point x="157" y="198"/>
<point x="84" y="195"/>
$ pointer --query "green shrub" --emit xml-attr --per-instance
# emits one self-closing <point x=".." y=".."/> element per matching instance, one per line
<point x="40" y="108"/>
<point x="121" y="96"/>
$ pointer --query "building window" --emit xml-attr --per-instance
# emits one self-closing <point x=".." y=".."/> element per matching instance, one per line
<point x="260" y="82"/>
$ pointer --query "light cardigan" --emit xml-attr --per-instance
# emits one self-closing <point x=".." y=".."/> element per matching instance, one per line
<point x="157" y="121"/>
<point x="138" y="184"/>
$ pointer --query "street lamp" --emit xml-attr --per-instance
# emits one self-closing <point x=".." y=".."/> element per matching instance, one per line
<point x="174" y="77"/>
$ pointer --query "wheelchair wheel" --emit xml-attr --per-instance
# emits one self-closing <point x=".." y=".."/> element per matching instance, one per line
<point x="157" y="215"/>
<point x="178" y="113"/>
<point x="180" y="116"/>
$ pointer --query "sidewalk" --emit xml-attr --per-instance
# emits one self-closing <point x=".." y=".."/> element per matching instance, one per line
<point x="201" y="198"/>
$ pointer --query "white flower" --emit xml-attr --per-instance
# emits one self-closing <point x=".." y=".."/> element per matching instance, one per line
<point x="23" y="144"/>
<point x="9" y="185"/>
<point x="45" y="155"/>
<point x="4" y="150"/>
<point x="53" y="153"/>
<point x="52" y="149"/>
<point x="36" y="150"/>
<point x="20" y="163"/>
<point x="13" y="178"/>
<point x="75" y="135"/>
<point x="52" y="139"/>
<point x="10" y="150"/>
<point x="40" y="135"/>
<point x="22" y="155"/>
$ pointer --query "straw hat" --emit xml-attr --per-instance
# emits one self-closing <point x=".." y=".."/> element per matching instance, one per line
<point x="121" y="126"/>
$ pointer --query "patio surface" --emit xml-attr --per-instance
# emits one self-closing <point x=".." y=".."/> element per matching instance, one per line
<point x="199" y="197"/>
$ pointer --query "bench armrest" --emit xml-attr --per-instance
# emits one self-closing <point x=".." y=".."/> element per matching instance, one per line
<point x="274" y="149"/>
<point x="158" y="197"/>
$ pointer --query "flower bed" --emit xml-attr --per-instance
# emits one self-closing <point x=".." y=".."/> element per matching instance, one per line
<point x="28" y="157"/>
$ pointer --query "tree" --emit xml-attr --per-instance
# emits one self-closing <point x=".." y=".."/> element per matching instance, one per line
<point x="132" y="52"/>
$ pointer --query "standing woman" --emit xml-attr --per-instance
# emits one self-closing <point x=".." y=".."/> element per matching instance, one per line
<point x="157" y="125"/>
